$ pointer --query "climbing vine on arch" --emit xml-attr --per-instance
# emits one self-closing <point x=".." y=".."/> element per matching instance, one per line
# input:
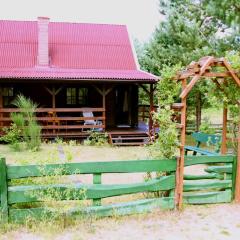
<point x="167" y="93"/>
<point x="230" y="97"/>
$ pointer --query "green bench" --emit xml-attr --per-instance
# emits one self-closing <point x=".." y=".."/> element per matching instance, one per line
<point x="201" y="138"/>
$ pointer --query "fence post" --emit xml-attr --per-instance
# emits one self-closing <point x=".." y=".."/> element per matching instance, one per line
<point x="234" y="172"/>
<point x="3" y="190"/>
<point x="97" y="180"/>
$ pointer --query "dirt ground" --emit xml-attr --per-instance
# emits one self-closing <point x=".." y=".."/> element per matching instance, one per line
<point x="215" y="222"/>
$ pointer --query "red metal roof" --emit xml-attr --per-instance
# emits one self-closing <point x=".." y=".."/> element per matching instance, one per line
<point x="77" y="51"/>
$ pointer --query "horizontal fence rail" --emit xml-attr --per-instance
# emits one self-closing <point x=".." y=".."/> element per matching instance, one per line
<point x="30" y="193"/>
<point x="217" y="185"/>
<point x="214" y="186"/>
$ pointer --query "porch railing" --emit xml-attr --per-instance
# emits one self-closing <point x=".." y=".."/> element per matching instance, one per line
<point x="62" y="121"/>
<point x="144" y="112"/>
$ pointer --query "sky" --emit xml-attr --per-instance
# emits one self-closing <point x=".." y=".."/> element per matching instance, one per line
<point x="141" y="16"/>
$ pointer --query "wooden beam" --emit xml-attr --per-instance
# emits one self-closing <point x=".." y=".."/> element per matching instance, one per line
<point x="224" y="132"/>
<point x="145" y="89"/>
<point x="151" y="110"/>
<point x="217" y="74"/>
<point x="55" y="91"/>
<point x="48" y="90"/>
<point x="196" y="77"/>
<point x="53" y="97"/>
<point x="104" y="104"/>
<point x="109" y="90"/>
<point x="180" y="170"/>
<point x="98" y="90"/>
<point x="58" y="90"/>
<point x="155" y="87"/>
<point x="231" y="71"/>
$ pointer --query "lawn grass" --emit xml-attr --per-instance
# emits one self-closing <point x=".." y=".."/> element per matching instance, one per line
<point x="214" y="115"/>
<point x="79" y="153"/>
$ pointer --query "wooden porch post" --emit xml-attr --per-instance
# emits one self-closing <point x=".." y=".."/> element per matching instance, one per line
<point x="180" y="164"/>
<point x="150" y="95"/>
<point x="53" y="93"/>
<point x="104" y="92"/>
<point x="151" y="110"/>
<point x="224" y="132"/>
<point x="54" y="106"/>
<point x="104" y="106"/>
<point x="53" y="98"/>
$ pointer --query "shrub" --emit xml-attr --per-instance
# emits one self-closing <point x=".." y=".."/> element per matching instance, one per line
<point x="25" y="126"/>
<point x="12" y="136"/>
<point x="206" y="127"/>
<point x="96" y="139"/>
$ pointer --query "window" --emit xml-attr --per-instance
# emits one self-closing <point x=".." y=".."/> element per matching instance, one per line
<point x="7" y="96"/>
<point x="82" y="96"/>
<point x="77" y="96"/>
<point x="71" y="96"/>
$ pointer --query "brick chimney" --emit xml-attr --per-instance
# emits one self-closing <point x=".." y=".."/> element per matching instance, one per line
<point x="43" y="52"/>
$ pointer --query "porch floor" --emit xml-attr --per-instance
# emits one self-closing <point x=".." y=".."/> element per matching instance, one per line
<point x="141" y="129"/>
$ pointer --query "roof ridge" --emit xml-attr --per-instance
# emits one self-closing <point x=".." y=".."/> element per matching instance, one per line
<point x="62" y="22"/>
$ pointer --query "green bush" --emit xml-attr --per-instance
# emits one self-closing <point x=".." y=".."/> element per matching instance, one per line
<point x="25" y="127"/>
<point x="205" y="127"/>
<point x="96" y="139"/>
<point x="12" y="136"/>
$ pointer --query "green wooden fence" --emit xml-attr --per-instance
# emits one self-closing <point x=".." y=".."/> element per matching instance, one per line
<point x="215" y="186"/>
<point x="197" y="189"/>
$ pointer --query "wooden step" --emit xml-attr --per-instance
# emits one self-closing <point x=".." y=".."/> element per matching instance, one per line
<point x="129" y="144"/>
<point x="128" y="139"/>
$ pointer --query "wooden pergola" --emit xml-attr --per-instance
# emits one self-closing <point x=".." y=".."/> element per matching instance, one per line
<point x="205" y="68"/>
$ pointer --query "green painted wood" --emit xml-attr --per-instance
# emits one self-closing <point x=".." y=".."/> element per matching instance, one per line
<point x="15" y="172"/>
<point x="201" y="151"/>
<point x="203" y="176"/>
<point x="219" y="169"/>
<point x="97" y="179"/>
<point x="3" y="191"/>
<point x="234" y="173"/>
<point x="33" y="193"/>
<point x="227" y="176"/>
<point x="24" y="214"/>
<point x="194" y="160"/>
<point x="140" y="206"/>
<point x="195" y="185"/>
<point x="207" y="197"/>
<point x="212" y="139"/>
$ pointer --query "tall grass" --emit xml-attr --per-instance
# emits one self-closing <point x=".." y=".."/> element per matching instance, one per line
<point x="25" y="121"/>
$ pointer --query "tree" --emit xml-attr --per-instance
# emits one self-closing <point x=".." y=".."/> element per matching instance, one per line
<point x="227" y="11"/>
<point x="187" y="34"/>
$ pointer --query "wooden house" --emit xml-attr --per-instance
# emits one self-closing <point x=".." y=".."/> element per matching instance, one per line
<point x="70" y="69"/>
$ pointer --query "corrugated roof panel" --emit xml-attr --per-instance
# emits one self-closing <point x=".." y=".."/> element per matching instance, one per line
<point x="73" y="46"/>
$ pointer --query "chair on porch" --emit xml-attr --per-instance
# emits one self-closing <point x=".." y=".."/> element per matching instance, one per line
<point x="91" y="121"/>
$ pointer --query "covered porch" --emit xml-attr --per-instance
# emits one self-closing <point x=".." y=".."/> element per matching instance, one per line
<point x="72" y="110"/>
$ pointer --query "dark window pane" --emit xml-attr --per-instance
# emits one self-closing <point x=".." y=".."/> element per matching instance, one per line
<point x="71" y="95"/>
<point x="82" y="96"/>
